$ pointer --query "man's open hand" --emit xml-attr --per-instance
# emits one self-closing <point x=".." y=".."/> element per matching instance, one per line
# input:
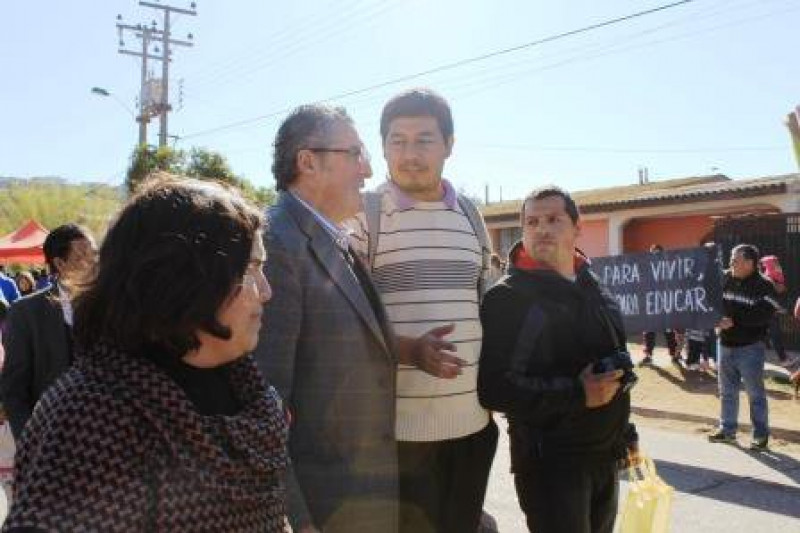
<point x="436" y="356"/>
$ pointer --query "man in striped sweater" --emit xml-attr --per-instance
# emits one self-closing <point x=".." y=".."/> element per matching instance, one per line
<point x="429" y="259"/>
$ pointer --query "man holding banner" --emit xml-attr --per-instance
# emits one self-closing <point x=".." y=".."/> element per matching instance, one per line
<point x="749" y="301"/>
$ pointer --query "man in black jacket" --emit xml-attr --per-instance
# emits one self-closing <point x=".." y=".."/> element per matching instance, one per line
<point x="546" y="327"/>
<point x="38" y="332"/>
<point x="749" y="302"/>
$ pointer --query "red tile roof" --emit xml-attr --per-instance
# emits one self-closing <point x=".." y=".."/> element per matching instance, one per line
<point x="682" y="190"/>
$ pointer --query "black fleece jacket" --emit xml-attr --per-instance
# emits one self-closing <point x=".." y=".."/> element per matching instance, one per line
<point x="750" y="303"/>
<point x="540" y="330"/>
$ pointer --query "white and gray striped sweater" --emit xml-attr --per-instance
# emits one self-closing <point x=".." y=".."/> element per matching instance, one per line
<point x="426" y="266"/>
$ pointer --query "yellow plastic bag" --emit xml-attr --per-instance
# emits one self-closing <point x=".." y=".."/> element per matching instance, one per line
<point x="648" y="502"/>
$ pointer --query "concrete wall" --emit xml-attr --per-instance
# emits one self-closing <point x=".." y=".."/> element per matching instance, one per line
<point x="594" y="237"/>
<point x="669" y="232"/>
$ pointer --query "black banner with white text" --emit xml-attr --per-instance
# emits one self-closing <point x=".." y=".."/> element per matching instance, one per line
<point x="670" y="289"/>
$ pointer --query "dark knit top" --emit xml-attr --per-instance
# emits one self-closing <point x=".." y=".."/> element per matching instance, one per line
<point x="116" y="445"/>
<point x="197" y="382"/>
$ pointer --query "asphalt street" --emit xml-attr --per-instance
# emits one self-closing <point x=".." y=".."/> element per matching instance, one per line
<point x="719" y="488"/>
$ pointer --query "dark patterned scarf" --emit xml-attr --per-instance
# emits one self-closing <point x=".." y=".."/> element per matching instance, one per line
<point x="201" y="473"/>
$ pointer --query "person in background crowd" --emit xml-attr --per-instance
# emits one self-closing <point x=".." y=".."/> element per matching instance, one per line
<point x="749" y="303"/>
<point x="552" y="359"/>
<point x="649" y="337"/>
<point x="697" y="346"/>
<point x="25" y="283"/>
<point x="496" y="270"/>
<point x="43" y="280"/>
<point x="6" y="437"/>
<point x="4" y="306"/>
<point x="796" y="374"/>
<point x="770" y="267"/>
<point x="8" y="288"/>
<point x="38" y="336"/>
<point x="711" y="345"/>
<point x="163" y="424"/>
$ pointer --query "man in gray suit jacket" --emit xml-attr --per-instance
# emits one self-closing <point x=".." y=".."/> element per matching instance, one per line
<point x="325" y="343"/>
<point x="37" y="337"/>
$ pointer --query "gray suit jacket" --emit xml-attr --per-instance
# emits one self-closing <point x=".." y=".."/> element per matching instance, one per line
<point x="323" y="348"/>
<point x="37" y="353"/>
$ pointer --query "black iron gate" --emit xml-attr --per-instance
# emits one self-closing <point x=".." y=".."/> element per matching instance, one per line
<point x="779" y="235"/>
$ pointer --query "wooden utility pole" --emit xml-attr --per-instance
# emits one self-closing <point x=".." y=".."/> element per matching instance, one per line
<point x="144" y="33"/>
<point x="164" y="106"/>
<point x="150" y="35"/>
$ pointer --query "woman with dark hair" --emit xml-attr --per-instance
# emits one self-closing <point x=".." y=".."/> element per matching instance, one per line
<point x="25" y="283"/>
<point x="163" y="423"/>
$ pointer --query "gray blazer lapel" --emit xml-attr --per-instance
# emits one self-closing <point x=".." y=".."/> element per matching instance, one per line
<point x="331" y="259"/>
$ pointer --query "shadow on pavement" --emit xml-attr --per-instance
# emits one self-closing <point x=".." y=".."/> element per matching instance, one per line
<point x="705" y="383"/>
<point x="743" y="491"/>
<point x="780" y="462"/>
<point x="790" y="435"/>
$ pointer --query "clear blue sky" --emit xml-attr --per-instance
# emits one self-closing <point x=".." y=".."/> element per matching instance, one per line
<point x="699" y="87"/>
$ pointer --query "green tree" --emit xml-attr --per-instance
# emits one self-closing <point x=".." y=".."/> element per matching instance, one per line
<point x="206" y="164"/>
<point x="147" y="159"/>
<point x="200" y="163"/>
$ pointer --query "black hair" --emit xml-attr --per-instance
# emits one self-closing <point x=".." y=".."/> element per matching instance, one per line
<point x="549" y="191"/>
<point x="419" y="102"/>
<point x="168" y="263"/>
<point x="57" y="243"/>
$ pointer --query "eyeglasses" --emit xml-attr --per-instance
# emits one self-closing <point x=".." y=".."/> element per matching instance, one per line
<point x="358" y="153"/>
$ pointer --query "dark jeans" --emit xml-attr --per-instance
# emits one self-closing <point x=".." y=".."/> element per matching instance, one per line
<point x="569" y="498"/>
<point x="743" y="364"/>
<point x="711" y="344"/>
<point x="669" y="336"/>
<point x="442" y="484"/>
<point x="697" y="347"/>
<point x="694" y="348"/>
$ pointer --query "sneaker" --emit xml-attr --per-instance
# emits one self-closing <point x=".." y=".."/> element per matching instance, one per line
<point x="720" y="436"/>
<point x="704" y="366"/>
<point x="694" y="367"/>
<point x="646" y="360"/>
<point x="759" y="444"/>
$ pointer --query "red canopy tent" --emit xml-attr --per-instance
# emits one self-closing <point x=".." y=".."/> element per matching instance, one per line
<point x="24" y="245"/>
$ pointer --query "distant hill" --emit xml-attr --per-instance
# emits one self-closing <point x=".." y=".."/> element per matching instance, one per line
<point x="53" y="201"/>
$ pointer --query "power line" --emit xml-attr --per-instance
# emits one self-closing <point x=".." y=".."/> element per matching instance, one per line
<point x="489" y="83"/>
<point x="245" y="73"/>
<point x="479" y="81"/>
<point x="475" y="83"/>
<point x="609" y="150"/>
<point x="295" y="40"/>
<point x="456" y="64"/>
